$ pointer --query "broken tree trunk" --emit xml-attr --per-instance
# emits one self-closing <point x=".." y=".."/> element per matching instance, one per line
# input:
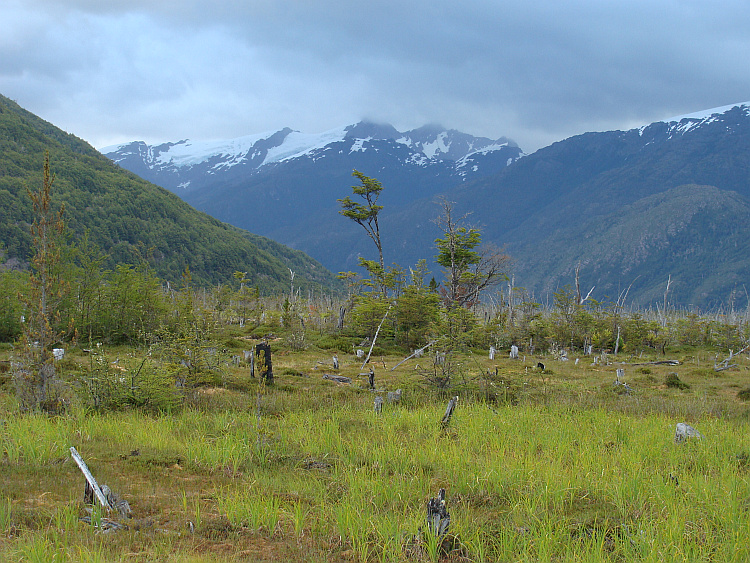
<point x="90" y="478"/>
<point x="724" y="364"/>
<point x="449" y="412"/>
<point x="367" y="359"/>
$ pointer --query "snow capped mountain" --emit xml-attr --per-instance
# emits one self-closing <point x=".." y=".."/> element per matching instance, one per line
<point x="684" y="123"/>
<point x="699" y="116"/>
<point x="190" y="165"/>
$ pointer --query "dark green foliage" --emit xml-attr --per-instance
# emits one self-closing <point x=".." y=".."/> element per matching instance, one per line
<point x="340" y="343"/>
<point x="368" y="313"/>
<point x="365" y="214"/>
<point x="417" y="310"/>
<point x="105" y="386"/>
<point x="11" y="285"/>
<point x="744" y="395"/>
<point x="129" y="219"/>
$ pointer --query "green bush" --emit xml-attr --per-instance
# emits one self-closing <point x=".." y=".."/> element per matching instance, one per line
<point x="339" y="343"/>
<point x="674" y="382"/>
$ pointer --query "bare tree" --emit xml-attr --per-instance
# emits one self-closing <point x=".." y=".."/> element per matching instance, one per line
<point x="469" y="269"/>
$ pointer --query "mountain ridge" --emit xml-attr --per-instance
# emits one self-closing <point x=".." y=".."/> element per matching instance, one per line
<point x="190" y="165"/>
<point x="545" y="207"/>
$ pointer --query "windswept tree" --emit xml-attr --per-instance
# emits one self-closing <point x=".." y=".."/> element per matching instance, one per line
<point x="469" y="270"/>
<point x="365" y="214"/>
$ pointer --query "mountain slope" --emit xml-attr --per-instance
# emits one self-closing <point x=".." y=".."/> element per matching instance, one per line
<point x="128" y="217"/>
<point x="549" y="206"/>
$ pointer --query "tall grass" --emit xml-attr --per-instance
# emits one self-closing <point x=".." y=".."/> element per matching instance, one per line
<point x="524" y="483"/>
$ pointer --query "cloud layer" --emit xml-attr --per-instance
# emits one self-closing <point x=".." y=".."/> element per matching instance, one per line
<point x="534" y="71"/>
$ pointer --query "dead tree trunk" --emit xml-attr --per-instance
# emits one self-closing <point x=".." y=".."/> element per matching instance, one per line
<point x="367" y="359"/>
<point x="449" y="412"/>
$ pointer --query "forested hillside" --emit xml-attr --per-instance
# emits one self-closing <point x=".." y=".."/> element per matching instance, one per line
<point x="128" y="218"/>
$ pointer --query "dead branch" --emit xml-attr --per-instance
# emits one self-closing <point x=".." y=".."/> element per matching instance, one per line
<point x="724" y="364"/>
<point x="367" y="359"/>
<point x="422" y="349"/>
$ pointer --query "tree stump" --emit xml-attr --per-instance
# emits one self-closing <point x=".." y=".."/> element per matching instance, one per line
<point x="263" y="361"/>
<point x="438" y="518"/>
<point x="449" y="412"/>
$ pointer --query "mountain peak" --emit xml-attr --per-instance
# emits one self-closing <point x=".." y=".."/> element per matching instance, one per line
<point x="365" y="129"/>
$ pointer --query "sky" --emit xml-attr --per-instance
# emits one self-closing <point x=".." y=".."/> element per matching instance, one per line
<point x="111" y="71"/>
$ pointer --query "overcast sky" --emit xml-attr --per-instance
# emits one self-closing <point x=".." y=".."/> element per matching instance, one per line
<point x="536" y="71"/>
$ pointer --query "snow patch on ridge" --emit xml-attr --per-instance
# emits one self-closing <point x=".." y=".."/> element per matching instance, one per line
<point x="438" y="145"/>
<point x="706" y="113"/>
<point x="299" y="144"/>
<point x="190" y="153"/>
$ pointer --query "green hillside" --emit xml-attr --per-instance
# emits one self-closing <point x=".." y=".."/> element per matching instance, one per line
<point x="694" y="235"/>
<point x="128" y="217"/>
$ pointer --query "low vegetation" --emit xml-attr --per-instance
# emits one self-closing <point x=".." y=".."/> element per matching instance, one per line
<point x="561" y="448"/>
<point x="538" y="465"/>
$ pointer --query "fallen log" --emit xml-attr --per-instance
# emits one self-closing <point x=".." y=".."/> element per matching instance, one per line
<point x="659" y="363"/>
<point x="337" y="378"/>
<point x="724" y="364"/>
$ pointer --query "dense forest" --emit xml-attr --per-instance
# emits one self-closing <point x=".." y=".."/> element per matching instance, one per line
<point x="128" y="219"/>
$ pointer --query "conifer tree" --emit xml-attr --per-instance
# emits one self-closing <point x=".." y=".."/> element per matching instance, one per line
<point x="46" y="290"/>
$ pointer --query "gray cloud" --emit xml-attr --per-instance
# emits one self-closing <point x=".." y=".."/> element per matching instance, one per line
<point x="536" y="72"/>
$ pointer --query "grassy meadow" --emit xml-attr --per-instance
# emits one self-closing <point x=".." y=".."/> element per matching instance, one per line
<point x="552" y="465"/>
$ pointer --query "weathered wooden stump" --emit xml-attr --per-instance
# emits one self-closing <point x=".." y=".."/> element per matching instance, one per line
<point x="438" y="518"/>
<point x="263" y="362"/>
<point x="449" y="412"/>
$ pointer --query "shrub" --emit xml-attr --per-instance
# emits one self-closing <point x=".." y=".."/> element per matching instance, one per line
<point x="674" y="382"/>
